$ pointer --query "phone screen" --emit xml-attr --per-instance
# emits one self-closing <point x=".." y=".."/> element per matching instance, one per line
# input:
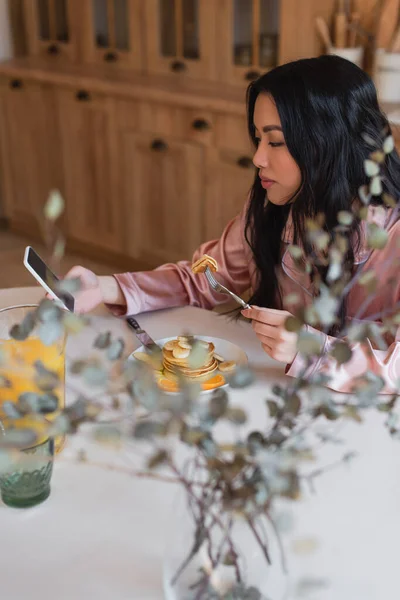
<point x="49" y="278"/>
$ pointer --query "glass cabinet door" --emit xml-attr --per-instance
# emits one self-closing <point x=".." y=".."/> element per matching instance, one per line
<point x="182" y="39"/>
<point x="113" y="32"/>
<point x="253" y="38"/>
<point x="49" y="26"/>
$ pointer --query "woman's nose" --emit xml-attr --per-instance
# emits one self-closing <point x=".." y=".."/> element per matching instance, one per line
<point x="260" y="158"/>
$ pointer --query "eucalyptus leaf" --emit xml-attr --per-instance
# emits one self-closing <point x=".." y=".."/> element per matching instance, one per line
<point x="146" y="430"/>
<point x="54" y="206"/>
<point x="103" y="340"/>
<point x="345" y="217"/>
<point x="48" y="311"/>
<point x="70" y="285"/>
<point x="352" y="413"/>
<point x="236" y="415"/>
<point x="273" y="408"/>
<point x="158" y="459"/>
<point x="10" y="410"/>
<point x="59" y="248"/>
<point x="371" y="168"/>
<point x="218" y="404"/>
<point x="116" y="349"/>
<point x="378" y="156"/>
<point x="241" y="378"/>
<point x="45" y="379"/>
<point x="341" y="352"/>
<point x="17" y="438"/>
<point x="388" y="144"/>
<point x="78" y="366"/>
<point x="22" y="331"/>
<point x="107" y="435"/>
<point x="74" y="323"/>
<point x="295" y="252"/>
<point x="308" y="344"/>
<point x="95" y="375"/>
<point x="293" y="404"/>
<point x="365" y="197"/>
<point x="293" y="324"/>
<point x="198" y="355"/>
<point x="375" y="187"/>
<point x="51" y="332"/>
<point x="28" y="402"/>
<point x="376" y="237"/>
<point x="389" y="200"/>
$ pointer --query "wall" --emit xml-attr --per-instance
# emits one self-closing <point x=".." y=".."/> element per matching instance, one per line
<point x="6" y="49"/>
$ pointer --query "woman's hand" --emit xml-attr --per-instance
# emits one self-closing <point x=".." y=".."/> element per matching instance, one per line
<point x="269" y="326"/>
<point x="90" y="294"/>
<point x="94" y="290"/>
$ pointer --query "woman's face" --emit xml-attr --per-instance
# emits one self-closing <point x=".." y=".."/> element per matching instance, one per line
<point x="280" y="176"/>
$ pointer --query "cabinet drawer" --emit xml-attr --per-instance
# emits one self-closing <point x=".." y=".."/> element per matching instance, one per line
<point x="231" y="133"/>
<point x="167" y="121"/>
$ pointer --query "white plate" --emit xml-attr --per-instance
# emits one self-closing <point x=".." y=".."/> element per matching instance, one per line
<point x="225" y="349"/>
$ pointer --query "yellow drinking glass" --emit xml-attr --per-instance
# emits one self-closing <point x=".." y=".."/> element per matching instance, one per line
<point x="17" y="363"/>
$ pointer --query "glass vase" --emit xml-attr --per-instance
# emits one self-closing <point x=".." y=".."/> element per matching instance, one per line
<point x="236" y="557"/>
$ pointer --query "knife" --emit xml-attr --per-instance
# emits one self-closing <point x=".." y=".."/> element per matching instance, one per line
<point x="142" y="335"/>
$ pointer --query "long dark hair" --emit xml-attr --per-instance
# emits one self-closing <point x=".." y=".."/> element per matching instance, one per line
<point x="327" y="107"/>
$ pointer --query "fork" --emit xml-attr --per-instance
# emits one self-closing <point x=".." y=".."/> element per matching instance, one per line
<point x="218" y="287"/>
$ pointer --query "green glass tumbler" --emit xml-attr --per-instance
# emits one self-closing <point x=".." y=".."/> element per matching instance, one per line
<point x="26" y="482"/>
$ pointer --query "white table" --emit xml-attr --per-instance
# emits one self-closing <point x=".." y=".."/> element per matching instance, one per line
<point x="101" y="534"/>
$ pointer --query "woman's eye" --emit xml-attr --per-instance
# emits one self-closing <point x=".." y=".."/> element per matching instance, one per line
<point x="276" y="144"/>
<point x="257" y="141"/>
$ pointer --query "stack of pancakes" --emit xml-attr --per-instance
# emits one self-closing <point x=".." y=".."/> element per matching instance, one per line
<point x="178" y="360"/>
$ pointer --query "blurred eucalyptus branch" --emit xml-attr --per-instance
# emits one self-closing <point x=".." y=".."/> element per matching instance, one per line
<point x="248" y="477"/>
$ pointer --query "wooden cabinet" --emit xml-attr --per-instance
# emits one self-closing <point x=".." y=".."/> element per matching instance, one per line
<point x="261" y="34"/>
<point x="163" y="193"/>
<point x="229" y="179"/>
<point x="182" y="37"/>
<point x="113" y="32"/>
<point x="52" y="27"/>
<point x="29" y="164"/>
<point x="89" y="151"/>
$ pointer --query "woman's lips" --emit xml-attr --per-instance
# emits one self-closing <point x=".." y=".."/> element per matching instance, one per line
<point x="267" y="183"/>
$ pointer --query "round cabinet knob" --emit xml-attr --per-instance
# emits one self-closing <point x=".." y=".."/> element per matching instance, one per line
<point x="245" y="162"/>
<point x="16" y="84"/>
<point x="159" y="146"/>
<point x="53" y="49"/>
<point x="111" y="57"/>
<point x="178" y="66"/>
<point x="201" y="125"/>
<point x="83" y="96"/>
<point x="252" y="75"/>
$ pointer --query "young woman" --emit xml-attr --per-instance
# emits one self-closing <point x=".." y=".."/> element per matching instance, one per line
<point x="308" y="121"/>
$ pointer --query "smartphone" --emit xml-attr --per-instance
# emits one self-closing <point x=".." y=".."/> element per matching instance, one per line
<point x="47" y="279"/>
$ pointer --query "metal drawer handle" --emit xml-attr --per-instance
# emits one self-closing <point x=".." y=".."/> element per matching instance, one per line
<point x="16" y="84"/>
<point x="83" y="96"/>
<point x="53" y="49"/>
<point x="178" y="66"/>
<point x="245" y="162"/>
<point x="111" y="57"/>
<point x="201" y="125"/>
<point x="159" y="145"/>
<point x="252" y="75"/>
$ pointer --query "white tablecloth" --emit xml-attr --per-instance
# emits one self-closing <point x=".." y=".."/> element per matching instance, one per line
<point x="102" y="534"/>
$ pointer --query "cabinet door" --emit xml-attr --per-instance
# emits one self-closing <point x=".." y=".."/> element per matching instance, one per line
<point x="51" y="27"/>
<point x="88" y="138"/>
<point x="29" y="150"/>
<point x="181" y="37"/>
<point x="113" y="32"/>
<point x="260" y="34"/>
<point x="163" y="194"/>
<point x="230" y="175"/>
